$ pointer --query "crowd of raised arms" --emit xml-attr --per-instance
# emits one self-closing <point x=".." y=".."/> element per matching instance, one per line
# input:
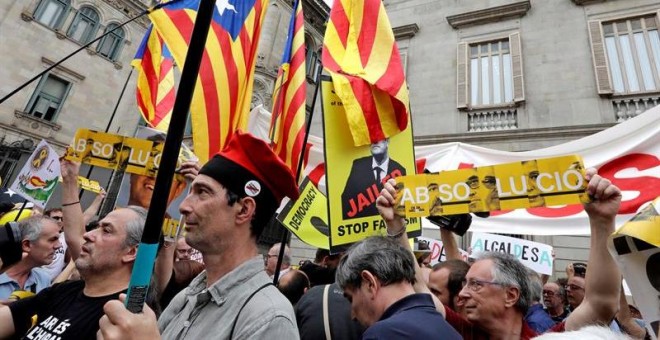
<point x="215" y="283"/>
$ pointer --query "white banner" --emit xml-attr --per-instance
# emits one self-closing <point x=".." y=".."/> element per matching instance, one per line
<point x="534" y="255"/>
<point x="438" y="251"/>
<point x="627" y="153"/>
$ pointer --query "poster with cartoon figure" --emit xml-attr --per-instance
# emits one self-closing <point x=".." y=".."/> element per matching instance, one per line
<point x="355" y="175"/>
<point x="39" y="176"/>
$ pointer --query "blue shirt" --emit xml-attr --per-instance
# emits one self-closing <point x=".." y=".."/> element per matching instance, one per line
<point x="37" y="280"/>
<point x="538" y="319"/>
<point x="413" y="317"/>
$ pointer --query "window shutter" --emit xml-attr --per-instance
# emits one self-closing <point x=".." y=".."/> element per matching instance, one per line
<point x="517" y="68"/>
<point x="601" y="67"/>
<point x="462" y="76"/>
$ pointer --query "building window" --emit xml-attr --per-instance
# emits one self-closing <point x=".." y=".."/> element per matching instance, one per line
<point x="491" y="81"/>
<point x="84" y="25"/>
<point x="52" y="12"/>
<point x="111" y="44"/>
<point x="490" y="73"/>
<point x="626" y="55"/>
<point x="48" y="98"/>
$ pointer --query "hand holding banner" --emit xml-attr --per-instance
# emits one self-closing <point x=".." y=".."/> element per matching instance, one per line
<point x="517" y="185"/>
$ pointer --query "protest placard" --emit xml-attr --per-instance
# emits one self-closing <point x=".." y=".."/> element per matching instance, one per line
<point x="534" y="255"/>
<point x="517" y="185"/>
<point x="355" y="175"/>
<point x="307" y="217"/>
<point x="438" y="251"/>
<point x="38" y="178"/>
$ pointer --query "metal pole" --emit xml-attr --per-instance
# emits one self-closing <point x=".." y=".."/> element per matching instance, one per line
<point x="285" y="236"/>
<point x="107" y="128"/>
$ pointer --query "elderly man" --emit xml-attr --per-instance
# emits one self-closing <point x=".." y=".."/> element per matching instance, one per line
<point x="71" y="310"/>
<point x="553" y="299"/>
<point x="231" y="201"/>
<point x="40" y="241"/>
<point x="377" y="277"/>
<point x="270" y="260"/>
<point x="497" y="291"/>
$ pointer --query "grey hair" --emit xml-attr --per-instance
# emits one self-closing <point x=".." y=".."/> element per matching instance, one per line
<point x="382" y="257"/>
<point x="286" y="260"/>
<point x="508" y="271"/>
<point x="31" y="227"/>
<point x="535" y="286"/>
<point x="135" y="227"/>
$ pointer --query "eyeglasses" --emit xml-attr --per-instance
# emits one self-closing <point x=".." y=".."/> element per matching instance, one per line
<point x="267" y="256"/>
<point x="476" y="285"/>
<point x="573" y="287"/>
<point x="549" y="293"/>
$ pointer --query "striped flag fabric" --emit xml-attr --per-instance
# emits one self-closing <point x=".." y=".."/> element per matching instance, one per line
<point x="223" y="93"/>
<point x="287" y="128"/>
<point x="155" y="81"/>
<point x="363" y="59"/>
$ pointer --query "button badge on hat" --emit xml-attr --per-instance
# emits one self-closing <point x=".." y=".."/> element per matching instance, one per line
<point x="252" y="188"/>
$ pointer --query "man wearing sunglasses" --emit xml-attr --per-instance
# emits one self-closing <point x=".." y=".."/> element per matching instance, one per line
<point x="496" y="289"/>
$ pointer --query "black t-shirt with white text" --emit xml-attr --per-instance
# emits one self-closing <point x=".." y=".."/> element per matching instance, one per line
<point x="63" y="312"/>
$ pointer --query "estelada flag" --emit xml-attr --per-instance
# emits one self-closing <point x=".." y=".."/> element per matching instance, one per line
<point x="222" y="96"/>
<point x="287" y="128"/>
<point x="363" y="59"/>
<point x="155" y="84"/>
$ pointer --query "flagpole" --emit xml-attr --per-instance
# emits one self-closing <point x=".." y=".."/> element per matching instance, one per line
<point x="146" y="255"/>
<point x="107" y="128"/>
<point x="285" y="236"/>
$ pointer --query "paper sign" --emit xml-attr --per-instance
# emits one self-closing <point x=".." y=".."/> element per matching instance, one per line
<point x="517" y="185"/>
<point x="534" y="255"/>
<point x="87" y="184"/>
<point x="38" y="178"/>
<point x="438" y="251"/>
<point x="126" y="154"/>
<point x="636" y="249"/>
<point x="355" y="175"/>
<point x="307" y="217"/>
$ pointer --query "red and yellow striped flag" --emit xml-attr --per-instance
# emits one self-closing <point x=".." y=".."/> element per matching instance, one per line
<point x="155" y="81"/>
<point x="287" y="127"/>
<point x="363" y="59"/>
<point x="222" y="97"/>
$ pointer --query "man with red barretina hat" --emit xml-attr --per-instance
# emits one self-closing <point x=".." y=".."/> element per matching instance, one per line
<point x="231" y="201"/>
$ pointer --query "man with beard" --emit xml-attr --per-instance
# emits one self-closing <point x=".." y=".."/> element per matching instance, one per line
<point x="553" y="299"/>
<point x="72" y="309"/>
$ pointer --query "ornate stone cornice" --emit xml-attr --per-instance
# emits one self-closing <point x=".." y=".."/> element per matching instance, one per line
<point x="131" y="8"/>
<point x="405" y="31"/>
<point x="482" y="16"/>
<point x="586" y="2"/>
<point x="316" y="14"/>
<point x="478" y="138"/>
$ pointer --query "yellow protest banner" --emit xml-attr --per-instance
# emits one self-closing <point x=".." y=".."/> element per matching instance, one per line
<point x="127" y="154"/>
<point x="355" y="175"/>
<point x="517" y="185"/>
<point x="307" y="217"/>
<point x="87" y="184"/>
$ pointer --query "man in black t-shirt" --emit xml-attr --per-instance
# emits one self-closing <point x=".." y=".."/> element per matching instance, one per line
<point x="72" y="309"/>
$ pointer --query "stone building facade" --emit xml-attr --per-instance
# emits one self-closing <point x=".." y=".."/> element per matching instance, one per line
<point x="522" y="75"/>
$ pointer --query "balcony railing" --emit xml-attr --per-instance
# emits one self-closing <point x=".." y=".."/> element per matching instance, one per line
<point x="626" y="108"/>
<point x="493" y="120"/>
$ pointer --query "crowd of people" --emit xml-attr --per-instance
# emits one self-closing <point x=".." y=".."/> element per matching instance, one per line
<point x="214" y="283"/>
